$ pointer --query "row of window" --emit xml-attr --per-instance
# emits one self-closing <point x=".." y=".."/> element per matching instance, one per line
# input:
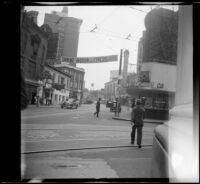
<point x="69" y="84"/>
<point x="59" y="98"/>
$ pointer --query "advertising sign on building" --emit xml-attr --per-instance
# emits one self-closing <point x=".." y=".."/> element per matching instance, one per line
<point x="144" y="76"/>
<point x="101" y="59"/>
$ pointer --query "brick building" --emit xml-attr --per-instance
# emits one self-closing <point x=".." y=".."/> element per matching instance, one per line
<point x="33" y="52"/>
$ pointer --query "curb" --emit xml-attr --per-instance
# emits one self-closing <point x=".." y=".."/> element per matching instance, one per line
<point x="145" y="121"/>
<point x="43" y="106"/>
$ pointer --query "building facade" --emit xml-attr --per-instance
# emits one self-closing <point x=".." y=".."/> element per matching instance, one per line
<point x="156" y="65"/>
<point x="66" y="33"/>
<point x="111" y="89"/>
<point x="60" y="84"/>
<point x="114" y="74"/>
<point x="33" y="53"/>
<point x="77" y="79"/>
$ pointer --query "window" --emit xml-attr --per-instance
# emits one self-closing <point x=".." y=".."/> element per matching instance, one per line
<point x="58" y="79"/>
<point x="67" y="83"/>
<point x="56" y="97"/>
<point x="63" y="98"/>
<point x="53" y="77"/>
<point x="59" y="97"/>
<point x="62" y="80"/>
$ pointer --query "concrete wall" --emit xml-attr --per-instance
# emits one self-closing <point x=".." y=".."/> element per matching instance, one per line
<point x="161" y="73"/>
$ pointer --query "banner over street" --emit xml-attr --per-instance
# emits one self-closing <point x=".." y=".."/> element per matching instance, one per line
<point x="100" y="59"/>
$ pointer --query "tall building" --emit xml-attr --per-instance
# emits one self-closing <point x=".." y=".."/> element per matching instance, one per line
<point x="159" y="41"/>
<point x="157" y="54"/>
<point x="66" y="34"/>
<point x="113" y="74"/>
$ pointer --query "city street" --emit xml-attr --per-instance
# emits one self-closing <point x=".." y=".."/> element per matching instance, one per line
<point x="73" y="143"/>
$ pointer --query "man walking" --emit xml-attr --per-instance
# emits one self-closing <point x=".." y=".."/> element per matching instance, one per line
<point x="97" y="107"/>
<point x="138" y="114"/>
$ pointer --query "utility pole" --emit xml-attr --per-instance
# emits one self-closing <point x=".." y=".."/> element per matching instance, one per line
<point x="120" y="62"/>
<point x="119" y="83"/>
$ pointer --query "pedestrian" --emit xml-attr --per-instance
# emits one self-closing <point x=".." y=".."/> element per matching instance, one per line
<point x="97" y="108"/>
<point x="128" y="104"/>
<point x="49" y="100"/>
<point x="143" y="100"/>
<point x="133" y="103"/>
<point x="118" y="107"/>
<point x="137" y="118"/>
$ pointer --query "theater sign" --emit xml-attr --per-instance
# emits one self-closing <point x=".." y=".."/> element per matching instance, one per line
<point x="100" y="59"/>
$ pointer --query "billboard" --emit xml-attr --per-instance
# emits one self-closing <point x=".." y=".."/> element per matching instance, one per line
<point x="100" y="59"/>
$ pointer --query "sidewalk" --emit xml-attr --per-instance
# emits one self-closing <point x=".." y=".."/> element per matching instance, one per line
<point x="125" y="115"/>
<point x="43" y="106"/>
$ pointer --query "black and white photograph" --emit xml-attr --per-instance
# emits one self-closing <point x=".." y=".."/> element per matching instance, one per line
<point x="107" y="92"/>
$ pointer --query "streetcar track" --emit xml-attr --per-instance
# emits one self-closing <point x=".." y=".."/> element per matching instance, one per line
<point x="77" y="149"/>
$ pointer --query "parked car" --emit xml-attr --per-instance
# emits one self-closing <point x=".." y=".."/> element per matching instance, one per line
<point x="88" y="102"/>
<point x="70" y="104"/>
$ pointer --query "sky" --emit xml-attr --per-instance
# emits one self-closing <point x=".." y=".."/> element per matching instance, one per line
<point x="114" y="24"/>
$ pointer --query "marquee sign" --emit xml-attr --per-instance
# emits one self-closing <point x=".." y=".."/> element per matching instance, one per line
<point x="100" y="59"/>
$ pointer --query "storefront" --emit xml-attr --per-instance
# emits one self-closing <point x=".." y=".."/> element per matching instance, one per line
<point x="31" y="87"/>
<point x="157" y="102"/>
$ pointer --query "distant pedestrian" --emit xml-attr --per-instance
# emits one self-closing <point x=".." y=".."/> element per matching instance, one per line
<point x="133" y="103"/>
<point x="138" y="114"/>
<point x="118" y="107"/>
<point x="143" y="101"/>
<point x="97" y="108"/>
<point x="128" y="104"/>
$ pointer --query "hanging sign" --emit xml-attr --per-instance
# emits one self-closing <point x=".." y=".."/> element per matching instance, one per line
<point x="100" y="59"/>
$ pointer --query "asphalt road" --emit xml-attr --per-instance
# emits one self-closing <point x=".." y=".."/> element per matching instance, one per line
<point x="66" y="143"/>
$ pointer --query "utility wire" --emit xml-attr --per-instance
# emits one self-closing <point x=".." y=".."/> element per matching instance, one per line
<point x="106" y="17"/>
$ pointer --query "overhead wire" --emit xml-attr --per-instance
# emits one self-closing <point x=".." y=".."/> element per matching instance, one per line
<point x="98" y="24"/>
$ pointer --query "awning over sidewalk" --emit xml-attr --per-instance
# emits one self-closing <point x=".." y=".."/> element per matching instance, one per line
<point x="32" y="82"/>
<point x="143" y="91"/>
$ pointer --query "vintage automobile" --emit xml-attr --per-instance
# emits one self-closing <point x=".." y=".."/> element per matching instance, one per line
<point x="70" y="104"/>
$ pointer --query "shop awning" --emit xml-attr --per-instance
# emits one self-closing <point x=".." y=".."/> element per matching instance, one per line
<point x="144" y="91"/>
<point x="31" y="82"/>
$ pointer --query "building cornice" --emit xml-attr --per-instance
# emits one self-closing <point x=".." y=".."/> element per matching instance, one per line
<point x="56" y="69"/>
